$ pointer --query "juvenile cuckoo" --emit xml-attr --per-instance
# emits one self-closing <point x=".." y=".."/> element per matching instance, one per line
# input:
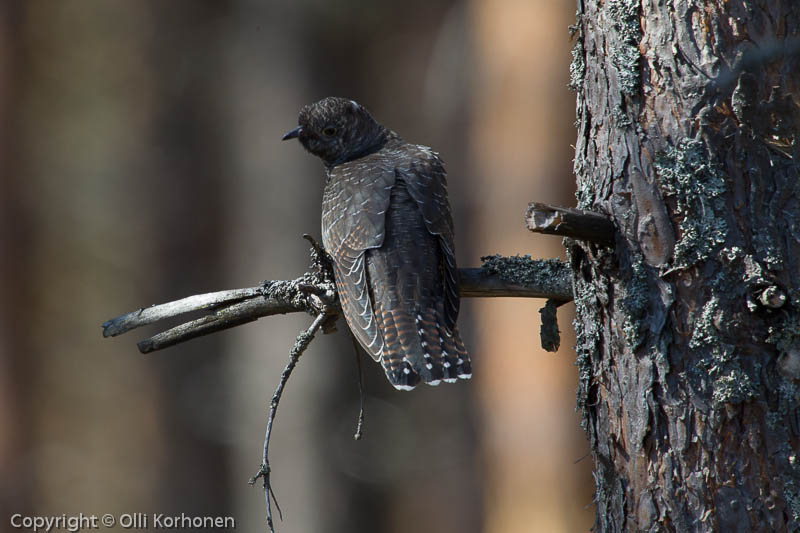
<point x="387" y="225"/>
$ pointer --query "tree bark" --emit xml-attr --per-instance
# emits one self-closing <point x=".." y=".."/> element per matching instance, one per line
<point x="688" y="330"/>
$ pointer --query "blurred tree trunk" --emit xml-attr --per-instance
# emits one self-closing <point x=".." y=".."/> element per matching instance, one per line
<point x="530" y="437"/>
<point x="15" y="285"/>
<point x="190" y="128"/>
<point x="689" y="332"/>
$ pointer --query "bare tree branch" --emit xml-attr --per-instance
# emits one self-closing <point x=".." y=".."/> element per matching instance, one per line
<point x="154" y="313"/>
<point x="519" y="277"/>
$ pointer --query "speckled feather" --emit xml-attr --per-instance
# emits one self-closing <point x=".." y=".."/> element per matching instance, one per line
<point x="386" y="223"/>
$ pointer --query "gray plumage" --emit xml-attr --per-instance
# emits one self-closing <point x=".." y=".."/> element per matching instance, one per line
<point x="387" y="225"/>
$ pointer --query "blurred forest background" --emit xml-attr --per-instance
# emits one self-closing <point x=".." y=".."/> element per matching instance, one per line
<point x="141" y="162"/>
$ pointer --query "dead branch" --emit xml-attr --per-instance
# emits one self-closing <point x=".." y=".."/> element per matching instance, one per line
<point x="264" y="471"/>
<point x="518" y="277"/>
<point x="570" y="222"/>
<point x="315" y="293"/>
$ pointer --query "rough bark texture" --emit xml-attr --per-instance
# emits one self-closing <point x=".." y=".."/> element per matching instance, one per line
<point x="689" y="330"/>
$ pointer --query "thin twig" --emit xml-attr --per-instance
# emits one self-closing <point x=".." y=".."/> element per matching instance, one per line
<point x="360" y="424"/>
<point x="300" y="345"/>
<point x="317" y="247"/>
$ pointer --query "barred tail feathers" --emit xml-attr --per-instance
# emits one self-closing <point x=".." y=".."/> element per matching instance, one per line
<point x="419" y="348"/>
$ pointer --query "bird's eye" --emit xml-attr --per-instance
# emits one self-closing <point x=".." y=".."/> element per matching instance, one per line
<point x="329" y="131"/>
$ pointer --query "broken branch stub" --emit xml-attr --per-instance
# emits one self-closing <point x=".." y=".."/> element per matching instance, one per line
<point x="570" y="222"/>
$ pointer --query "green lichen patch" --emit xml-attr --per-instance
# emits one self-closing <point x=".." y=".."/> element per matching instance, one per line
<point x="625" y="17"/>
<point x="625" y="59"/>
<point x="704" y="332"/>
<point x="690" y="177"/>
<point x="577" y="68"/>
<point x="586" y="191"/>
<point x="625" y="54"/>
<point x="792" y="495"/>
<point x="786" y="334"/>
<point x="522" y="270"/>
<point x="730" y="384"/>
<point x="587" y="341"/>
<point x="787" y="392"/>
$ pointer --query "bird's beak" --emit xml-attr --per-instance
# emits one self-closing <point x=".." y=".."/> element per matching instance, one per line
<point x="292" y="134"/>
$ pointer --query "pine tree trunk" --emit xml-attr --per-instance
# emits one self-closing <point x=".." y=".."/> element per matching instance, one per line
<point x="689" y="329"/>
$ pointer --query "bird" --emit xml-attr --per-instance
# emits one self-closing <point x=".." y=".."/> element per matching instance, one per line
<point x="387" y="225"/>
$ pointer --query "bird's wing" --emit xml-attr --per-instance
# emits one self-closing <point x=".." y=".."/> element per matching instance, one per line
<point x="408" y="290"/>
<point x="424" y="174"/>
<point x="354" y="209"/>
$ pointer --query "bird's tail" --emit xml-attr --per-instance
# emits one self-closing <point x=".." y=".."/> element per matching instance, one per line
<point x="419" y="347"/>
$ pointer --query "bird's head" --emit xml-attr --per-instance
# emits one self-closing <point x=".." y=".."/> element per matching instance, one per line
<point x="337" y="130"/>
